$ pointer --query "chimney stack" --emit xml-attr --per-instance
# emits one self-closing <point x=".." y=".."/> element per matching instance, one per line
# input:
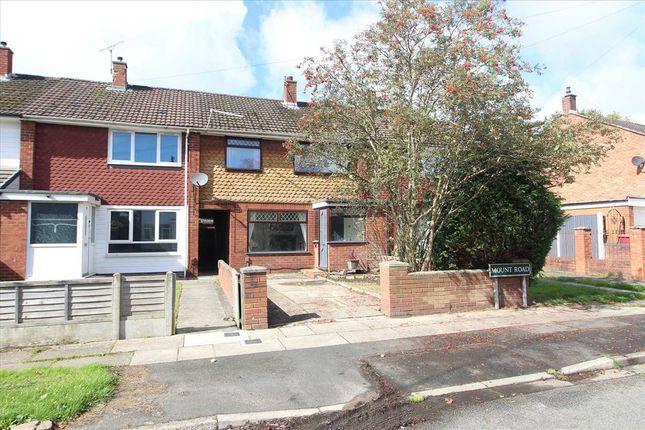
<point x="119" y="74"/>
<point x="568" y="102"/>
<point x="290" y="93"/>
<point x="6" y="61"/>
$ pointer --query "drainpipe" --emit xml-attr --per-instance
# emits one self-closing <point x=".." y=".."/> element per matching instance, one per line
<point x="186" y="201"/>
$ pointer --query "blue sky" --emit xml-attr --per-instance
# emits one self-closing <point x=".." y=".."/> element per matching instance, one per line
<point x="596" y="47"/>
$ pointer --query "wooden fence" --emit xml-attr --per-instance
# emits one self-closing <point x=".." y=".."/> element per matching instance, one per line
<point x="102" y="308"/>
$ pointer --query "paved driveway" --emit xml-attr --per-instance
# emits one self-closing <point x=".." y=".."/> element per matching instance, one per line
<point x="294" y="298"/>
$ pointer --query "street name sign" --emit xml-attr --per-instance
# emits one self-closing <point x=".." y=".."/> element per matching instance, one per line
<point x="509" y="269"/>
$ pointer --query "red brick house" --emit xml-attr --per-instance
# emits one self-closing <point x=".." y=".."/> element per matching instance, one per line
<point x="95" y="178"/>
<point x="610" y="199"/>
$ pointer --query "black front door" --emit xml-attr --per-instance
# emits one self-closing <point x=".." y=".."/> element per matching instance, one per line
<point x="213" y="239"/>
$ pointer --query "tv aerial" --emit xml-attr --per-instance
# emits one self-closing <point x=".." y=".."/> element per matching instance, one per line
<point x="110" y="48"/>
<point x="199" y="179"/>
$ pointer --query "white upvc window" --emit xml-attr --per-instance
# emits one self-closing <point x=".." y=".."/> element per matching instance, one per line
<point x="144" y="148"/>
<point x="142" y="231"/>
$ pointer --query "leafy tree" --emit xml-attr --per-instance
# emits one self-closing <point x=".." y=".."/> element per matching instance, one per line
<point x="423" y="105"/>
<point x="511" y="218"/>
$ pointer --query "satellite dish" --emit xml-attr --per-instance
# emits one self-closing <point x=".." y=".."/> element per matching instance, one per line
<point x="638" y="161"/>
<point x="199" y="179"/>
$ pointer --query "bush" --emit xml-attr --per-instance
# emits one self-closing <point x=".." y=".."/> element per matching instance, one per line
<point x="514" y="217"/>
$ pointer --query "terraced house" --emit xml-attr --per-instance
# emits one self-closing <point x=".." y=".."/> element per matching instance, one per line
<point x="96" y="179"/>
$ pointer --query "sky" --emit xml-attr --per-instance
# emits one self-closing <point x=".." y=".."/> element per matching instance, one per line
<point x="246" y="48"/>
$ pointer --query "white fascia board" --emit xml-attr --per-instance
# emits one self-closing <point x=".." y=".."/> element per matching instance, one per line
<point x="327" y="204"/>
<point x="629" y="201"/>
<point x="50" y="197"/>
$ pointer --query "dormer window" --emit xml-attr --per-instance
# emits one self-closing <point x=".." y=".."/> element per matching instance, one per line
<point x="147" y="149"/>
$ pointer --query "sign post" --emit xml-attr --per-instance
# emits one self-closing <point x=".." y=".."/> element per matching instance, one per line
<point x="505" y="270"/>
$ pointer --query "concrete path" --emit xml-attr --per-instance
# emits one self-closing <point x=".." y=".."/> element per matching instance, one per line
<point x="203" y="306"/>
<point x="223" y="343"/>
<point x="327" y="376"/>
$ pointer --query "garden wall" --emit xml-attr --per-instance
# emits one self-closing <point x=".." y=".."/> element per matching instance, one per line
<point x="83" y="310"/>
<point x="249" y="287"/>
<point x="422" y="293"/>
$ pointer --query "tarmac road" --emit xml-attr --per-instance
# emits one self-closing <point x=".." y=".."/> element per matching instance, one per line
<point x="611" y="404"/>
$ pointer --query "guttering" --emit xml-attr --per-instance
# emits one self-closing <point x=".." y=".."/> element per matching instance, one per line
<point x="186" y="200"/>
<point x="49" y="196"/>
<point x="178" y="129"/>
<point x="629" y="201"/>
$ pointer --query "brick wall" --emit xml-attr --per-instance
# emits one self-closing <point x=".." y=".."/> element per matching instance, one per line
<point x="71" y="158"/>
<point x="255" y="313"/>
<point x="422" y="293"/>
<point x="27" y="154"/>
<point x="637" y="246"/>
<point x="225" y="275"/>
<point x="13" y="240"/>
<point x="560" y="264"/>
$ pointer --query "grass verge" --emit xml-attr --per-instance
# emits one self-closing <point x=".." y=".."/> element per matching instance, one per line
<point x="552" y="292"/>
<point x="620" y="285"/>
<point x="56" y="394"/>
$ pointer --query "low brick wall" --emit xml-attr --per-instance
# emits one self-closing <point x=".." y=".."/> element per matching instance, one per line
<point x="560" y="264"/>
<point x="226" y="273"/>
<point x="422" y="293"/>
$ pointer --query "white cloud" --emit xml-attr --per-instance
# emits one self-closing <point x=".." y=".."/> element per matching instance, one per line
<point x="293" y="30"/>
<point x="160" y="39"/>
<point x="595" y="47"/>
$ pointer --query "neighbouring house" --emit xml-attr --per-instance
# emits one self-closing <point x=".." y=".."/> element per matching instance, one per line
<point x="609" y="199"/>
<point x="95" y="178"/>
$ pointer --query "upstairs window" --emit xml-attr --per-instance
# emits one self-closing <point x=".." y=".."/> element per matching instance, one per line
<point x="307" y="164"/>
<point x="142" y="231"/>
<point x="243" y="154"/>
<point x="150" y="149"/>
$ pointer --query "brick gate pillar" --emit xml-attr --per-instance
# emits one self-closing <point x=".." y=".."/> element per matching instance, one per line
<point x="583" y="250"/>
<point x="255" y="312"/>
<point x="392" y="274"/>
<point x="637" y="252"/>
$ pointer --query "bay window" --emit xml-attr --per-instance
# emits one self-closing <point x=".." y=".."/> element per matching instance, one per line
<point x="347" y="225"/>
<point x="53" y="223"/>
<point x="145" y="230"/>
<point x="277" y="232"/>
<point x="128" y="147"/>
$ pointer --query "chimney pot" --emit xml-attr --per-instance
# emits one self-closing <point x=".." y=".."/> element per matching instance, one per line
<point x="290" y="92"/>
<point x="6" y="60"/>
<point x="568" y="102"/>
<point x="119" y="74"/>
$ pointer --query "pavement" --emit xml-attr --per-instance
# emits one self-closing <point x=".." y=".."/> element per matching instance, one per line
<point x="203" y="306"/>
<point x="331" y="376"/>
<point x="610" y="404"/>
<point x="304" y="335"/>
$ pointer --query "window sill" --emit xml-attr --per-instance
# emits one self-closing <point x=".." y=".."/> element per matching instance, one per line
<point x="141" y="254"/>
<point x="348" y="242"/>
<point x="228" y="169"/>
<point x="131" y="164"/>
<point x="280" y="253"/>
<point x="53" y="245"/>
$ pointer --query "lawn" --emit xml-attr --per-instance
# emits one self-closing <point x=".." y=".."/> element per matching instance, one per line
<point x="607" y="283"/>
<point x="55" y="394"/>
<point x="552" y="292"/>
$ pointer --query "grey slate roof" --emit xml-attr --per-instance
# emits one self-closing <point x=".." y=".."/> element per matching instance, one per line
<point x="97" y="101"/>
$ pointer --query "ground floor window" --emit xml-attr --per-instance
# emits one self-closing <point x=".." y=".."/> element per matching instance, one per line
<point x="277" y="231"/>
<point x="145" y="230"/>
<point x="53" y="223"/>
<point x="347" y="225"/>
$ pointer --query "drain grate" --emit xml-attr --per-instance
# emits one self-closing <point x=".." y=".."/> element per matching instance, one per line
<point x="251" y="341"/>
<point x="232" y="334"/>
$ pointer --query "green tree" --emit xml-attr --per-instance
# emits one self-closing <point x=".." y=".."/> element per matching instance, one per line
<point x="423" y="105"/>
